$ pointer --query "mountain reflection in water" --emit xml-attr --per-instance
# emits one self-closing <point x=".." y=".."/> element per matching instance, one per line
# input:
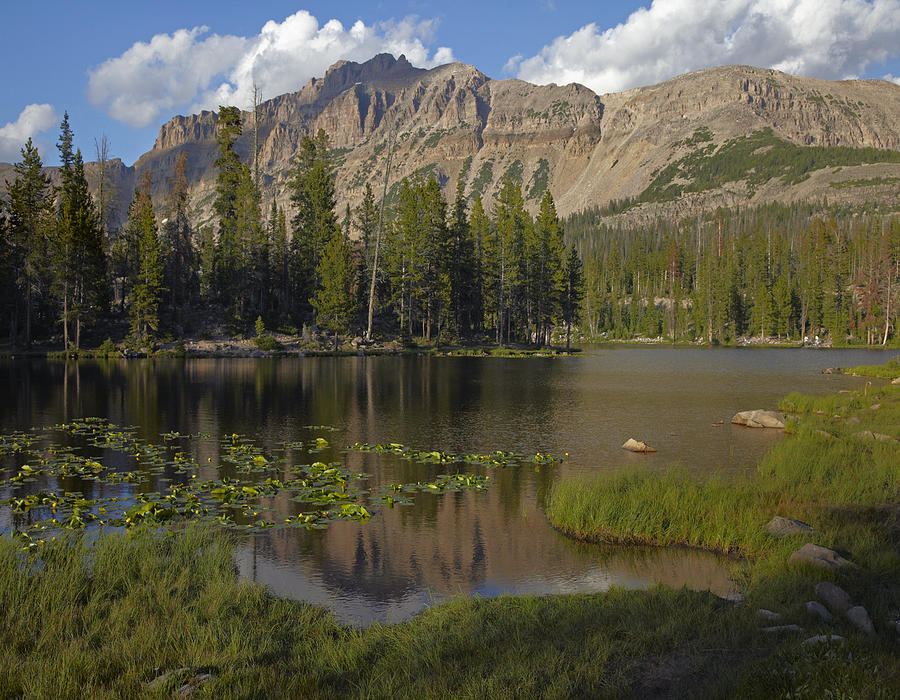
<point x="473" y="542"/>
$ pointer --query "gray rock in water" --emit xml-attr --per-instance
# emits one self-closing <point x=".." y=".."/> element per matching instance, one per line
<point x="770" y="615"/>
<point x="781" y="527"/>
<point x="633" y="445"/>
<point x="759" y="419"/>
<point x="819" y="556"/>
<point x="823" y="639"/>
<point x="781" y="628"/>
<point x="860" y="619"/>
<point x="834" y="596"/>
<point x="814" y="607"/>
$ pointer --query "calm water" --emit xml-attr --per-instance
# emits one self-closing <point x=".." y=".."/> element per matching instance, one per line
<point x="481" y="543"/>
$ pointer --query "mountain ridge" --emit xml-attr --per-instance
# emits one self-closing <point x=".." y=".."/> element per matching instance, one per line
<point x="454" y="122"/>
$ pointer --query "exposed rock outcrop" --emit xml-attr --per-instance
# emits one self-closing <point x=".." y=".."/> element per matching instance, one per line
<point x="456" y="123"/>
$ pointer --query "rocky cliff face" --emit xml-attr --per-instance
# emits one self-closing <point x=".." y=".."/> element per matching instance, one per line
<point x="455" y="123"/>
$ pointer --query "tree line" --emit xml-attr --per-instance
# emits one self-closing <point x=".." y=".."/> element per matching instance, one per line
<point x="420" y="268"/>
<point x="776" y="271"/>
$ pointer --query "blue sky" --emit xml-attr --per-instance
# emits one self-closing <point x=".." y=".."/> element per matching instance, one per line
<point x="122" y="69"/>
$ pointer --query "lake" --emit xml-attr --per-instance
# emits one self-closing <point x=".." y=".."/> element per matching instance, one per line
<point x="487" y="542"/>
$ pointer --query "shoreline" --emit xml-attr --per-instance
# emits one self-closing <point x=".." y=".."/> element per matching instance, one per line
<point x="295" y="346"/>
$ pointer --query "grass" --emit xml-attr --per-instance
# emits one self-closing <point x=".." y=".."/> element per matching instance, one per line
<point x="846" y="486"/>
<point x="105" y="619"/>
<point x="889" y="370"/>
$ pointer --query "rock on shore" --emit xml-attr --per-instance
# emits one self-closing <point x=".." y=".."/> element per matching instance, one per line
<point x="759" y="419"/>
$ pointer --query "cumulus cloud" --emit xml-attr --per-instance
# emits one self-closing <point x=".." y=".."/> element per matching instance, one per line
<point x="192" y="69"/>
<point x="892" y="79"/>
<point x="33" y="120"/>
<point x="834" y="39"/>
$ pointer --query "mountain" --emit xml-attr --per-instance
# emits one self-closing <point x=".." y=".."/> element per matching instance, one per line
<point x="728" y="135"/>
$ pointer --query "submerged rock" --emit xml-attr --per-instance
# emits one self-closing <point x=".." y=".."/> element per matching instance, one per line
<point x="834" y="596"/>
<point x="759" y="419"/>
<point x="859" y="618"/>
<point x="781" y="527"/>
<point x="814" y="607"/>
<point x="819" y="556"/>
<point x="633" y="445"/>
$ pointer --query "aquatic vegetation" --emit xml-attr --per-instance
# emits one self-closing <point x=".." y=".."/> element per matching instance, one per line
<point x="91" y="472"/>
<point x="493" y="459"/>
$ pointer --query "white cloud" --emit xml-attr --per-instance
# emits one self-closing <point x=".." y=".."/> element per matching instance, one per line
<point x="33" y="120"/>
<point x="892" y="78"/>
<point x="833" y="39"/>
<point x="193" y="70"/>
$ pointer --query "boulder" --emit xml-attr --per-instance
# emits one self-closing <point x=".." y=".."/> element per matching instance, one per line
<point x="834" y="596"/>
<point x="759" y="419"/>
<point x="823" y="639"/>
<point x="859" y="618"/>
<point x="769" y="615"/>
<point x="819" y="556"/>
<point x="781" y="527"/>
<point x="814" y="607"/>
<point x="633" y="445"/>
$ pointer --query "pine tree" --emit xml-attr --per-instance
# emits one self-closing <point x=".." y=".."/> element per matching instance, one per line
<point x="228" y="261"/>
<point x="147" y="290"/>
<point x="180" y="270"/>
<point x="79" y="259"/>
<point x="548" y="266"/>
<point x="487" y="247"/>
<point x="30" y="210"/>
<point x="333" y="301"/>
<point x="314" y="224"/>
<point x="574" y="292"/>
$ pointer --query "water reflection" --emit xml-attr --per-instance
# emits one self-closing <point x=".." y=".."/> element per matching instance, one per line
<point x="481" y="543"/>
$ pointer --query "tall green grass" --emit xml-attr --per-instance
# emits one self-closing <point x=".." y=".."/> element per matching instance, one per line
<point x="103" y="619"/>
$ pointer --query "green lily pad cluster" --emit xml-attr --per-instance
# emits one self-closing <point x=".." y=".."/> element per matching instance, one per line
<point x="493" y="459"/>
<point x="130" y="482"/>
<point x="243" y="496"/>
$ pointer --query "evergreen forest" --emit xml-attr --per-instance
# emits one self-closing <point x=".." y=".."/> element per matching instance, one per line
<point x="443" y="272"/>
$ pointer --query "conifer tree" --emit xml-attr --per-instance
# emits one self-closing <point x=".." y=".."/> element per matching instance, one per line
<point x="180" y="270"/>
<point x="574" y="292"/>
<point x="79" y="259"/>
<point x="548" y="267"/>
<point x="30" y="211"/>
<point x="333" y="301"/>
<point x="314" y="223"/>
<point x="148" y="288"/>
<point x="228" y="261"/>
